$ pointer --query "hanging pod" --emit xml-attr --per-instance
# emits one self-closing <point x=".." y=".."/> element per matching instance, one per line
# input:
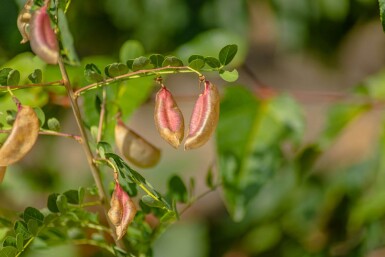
<point x="134" y="148"/>
<point x="122" y="211"/>
<point x="204" y="118"/>
<point x="42" y="37"/>
<point x="24" y="133"/>
<point x="168" y="118"/>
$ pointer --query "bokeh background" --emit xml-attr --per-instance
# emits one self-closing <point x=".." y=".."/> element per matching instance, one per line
<point x="315" y="51"/>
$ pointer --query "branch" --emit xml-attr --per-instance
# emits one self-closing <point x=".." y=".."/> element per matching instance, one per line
<point x="49" y="133"/>
<point x="137" y="74"/>
<point x="47" y="84"/>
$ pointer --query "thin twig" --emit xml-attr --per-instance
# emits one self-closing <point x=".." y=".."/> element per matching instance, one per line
<point x="49" y="133"/>
<point x="136" y="74"/>
<point x="102" y="116"/>
<point x="46" y="84"/>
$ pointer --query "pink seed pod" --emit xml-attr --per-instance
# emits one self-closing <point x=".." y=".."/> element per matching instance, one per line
<point x="122" y="211"/>
<point x="168" y="118"/>
<point x="204" y="118"/>
<point x="42" y="37"/>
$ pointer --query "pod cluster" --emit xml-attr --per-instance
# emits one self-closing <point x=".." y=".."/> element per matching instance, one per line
<point x="204" y="118"/>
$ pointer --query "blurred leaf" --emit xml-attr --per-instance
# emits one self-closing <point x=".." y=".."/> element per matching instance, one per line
<point x="81" y="194"/>
<point x="168" y="217"/>
<point x="227" y="54"/>
<point x="197" y="64"/>
<point x="210" y="178"/>
<point x="92" y="73"/>
<point x="51" y="203"/>
<point x="8" y="251"/>
<point x="66" y="39"/>
<point x="53" y="124"/>
<point x="141" y="63"/>
<point x="229" y="76"/>
<point x="172" y="61"/>
<point x="9" y="241"/>
<point x="116" y="69"/>
<point x="19" y="241"/>
<point x="62" y="203"/>
<point x="157" y="60"/>
<point x="31" y="213"/>
<point x="40" y="115"/>
<point x="13" y="78"/>
<point x="249" y="135"/>
<point x="177" y="189"/>
<point x="213" y="62"/>
<point x="131" y="49"/>
<point x="4" y="76"/>
<point x="129" y="63"/>
<point x="36" y="76"/>
<point x="72" y="196"/>
<point x="33" y="227"/>
<point x="382" y="12"/>
<point x="21" y="227"/>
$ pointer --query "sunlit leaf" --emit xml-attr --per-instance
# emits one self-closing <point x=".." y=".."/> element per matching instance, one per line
<point x="227" y="54"/>
<point x="151" y="202"/>
<point x="13" y="77"/>
<point x="197" y="64"/>
<point x="4" y="76"/>
<point x="19" y="241"/>
<point x="229" y="76"/>
<point x="67" y="39"/>
<point x="40" y="115"/>
<point x="8" y="251"/>
<point x="172" y="61"/>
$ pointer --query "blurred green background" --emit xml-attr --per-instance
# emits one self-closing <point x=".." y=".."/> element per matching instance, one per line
<point x="316" y="169"/>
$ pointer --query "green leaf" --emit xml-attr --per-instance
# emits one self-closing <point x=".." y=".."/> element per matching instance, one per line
<point x="21" y="227"/>
<point x="177" y="189"/>
<point x="92" y="73"/>
<point x="81" y="194"/>
<point x="8" y="251"/>
<point x="249" y="152"/>
<point x="172" y="61"/>
<point x="229" y="76"/>
<point x="4" y="76"/>
<point x="36" y="76"/>
<point x="157" y="60"/>
<point x="9" y="241"/>
<point x="129" y="63"/>
<point x="116" y="69"/>
<point x="131" y="49"/>
<point x="11" y="117"/>
<point x="382" y="13"/>
<point x="40" y="115"/>
<point x="103" y="147"/>
<point x="51" y="203"/>
<point x="31" y="213"/>
<point x="212" y="62"/>
<point x="72" y="196"/>
<point x="62" y="203"/>
<point x="141" y="63"/>
<point x="13" y="78"/>
<point x="227" y="54"/>
<point x="197" y="64"/>
<point x="33" y="227"/>
<point x="151" y="202"/>
<point x="19" y="242"/>
<point x="168" y="217"/>
<point x="53" y="124"/>
<point x="195" y="57"/>
<point x="67" y="39"/>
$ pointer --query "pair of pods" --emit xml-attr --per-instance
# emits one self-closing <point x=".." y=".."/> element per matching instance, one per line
<point x="170" y="123"/>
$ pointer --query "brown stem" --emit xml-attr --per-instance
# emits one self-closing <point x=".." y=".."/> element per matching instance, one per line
<point x="53" y="83"/>
<point x="49" y="133"/>
<point x="102" y="116"/>
<point x="103" y="197"/>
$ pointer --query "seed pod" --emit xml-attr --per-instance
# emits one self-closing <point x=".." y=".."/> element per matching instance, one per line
<point x="43" y="39"/>
<point x="122" y="211"/>
<point x="204" y="117"/>
<point x="2" y="172"/>
<point x="168" y="118"/>
<point x="23" y="21"/>
<point x="134" y="148"/>
<point x="23" y="136"/>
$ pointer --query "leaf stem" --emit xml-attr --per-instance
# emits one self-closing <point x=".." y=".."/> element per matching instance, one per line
<point x="15" y="87"/>
<point x="49" y="133"/>
<point x="102" y="116"/>
<point x="94" y="243"/>
<point x="137" y="74"/>
<point x="103" y="197"/>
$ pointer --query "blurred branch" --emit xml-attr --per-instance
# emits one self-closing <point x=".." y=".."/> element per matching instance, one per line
<point x="47" y="84"/>
<point x="49" y="133"/>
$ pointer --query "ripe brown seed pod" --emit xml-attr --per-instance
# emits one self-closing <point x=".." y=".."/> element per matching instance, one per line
<point x="23" y="20"/>
<point x="204" y="118"/>
<point x="134" y="148"/>
<point x="23" y="136"/>
<point x="122" y="211"/>
<point x="168" y="118"/>
<point x="42" y="37"/>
